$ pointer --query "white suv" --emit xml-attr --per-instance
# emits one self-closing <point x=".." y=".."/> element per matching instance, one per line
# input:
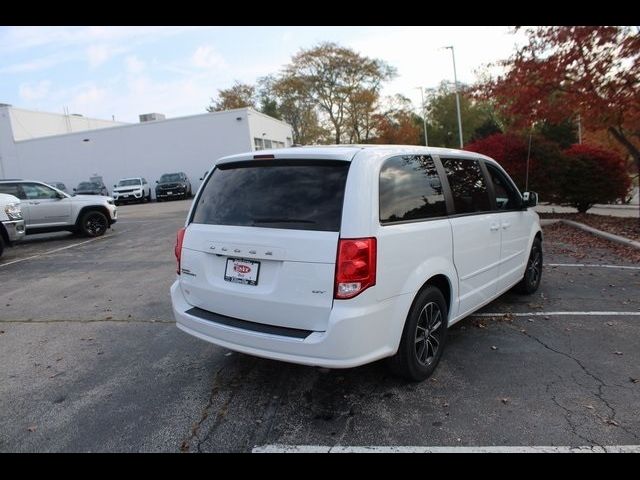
<point x="134" y="189"/>
<point x="11" y="221"/>
<point x="339" y="256"/>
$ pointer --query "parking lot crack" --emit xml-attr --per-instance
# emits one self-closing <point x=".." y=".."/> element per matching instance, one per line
<point x="600" y="384"/>
<point x="568" y="413"/>
<point x="234" y="384"/>
<point x="205" y="414"/>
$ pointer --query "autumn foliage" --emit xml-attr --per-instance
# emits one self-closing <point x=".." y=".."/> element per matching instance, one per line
<point x="579" y="176"/>
<point x="566" y="71"/>
<point x="511" y="150"/>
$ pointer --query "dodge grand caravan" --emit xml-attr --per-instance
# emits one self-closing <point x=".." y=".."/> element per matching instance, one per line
<point x="339" y="256"/>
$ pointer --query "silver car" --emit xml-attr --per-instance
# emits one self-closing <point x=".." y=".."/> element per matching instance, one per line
<point x="47" y="209"/>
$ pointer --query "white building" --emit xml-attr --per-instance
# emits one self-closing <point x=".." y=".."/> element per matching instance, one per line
<point x="71" y="148"/>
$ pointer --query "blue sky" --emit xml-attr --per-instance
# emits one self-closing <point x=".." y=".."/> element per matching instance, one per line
<point x="126" y="71"/>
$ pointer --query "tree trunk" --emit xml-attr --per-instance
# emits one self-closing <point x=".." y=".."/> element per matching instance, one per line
<point x="630" y="147"/>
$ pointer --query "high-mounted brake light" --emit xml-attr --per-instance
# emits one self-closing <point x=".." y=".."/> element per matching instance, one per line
<point x="178" y="248"/>
<point x="355" y="266"/>
<point x="263" y="157"/>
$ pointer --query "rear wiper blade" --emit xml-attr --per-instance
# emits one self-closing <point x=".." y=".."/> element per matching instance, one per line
<point x="281" y="220"/>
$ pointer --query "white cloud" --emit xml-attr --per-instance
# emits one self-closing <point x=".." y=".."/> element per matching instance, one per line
<point x="89" y="99"/>
<point x="38" y="64"/>
<point x="205" y="56"/>
<point x="100" y="53"/>
<point x="134" y="64"/>
<point x="13" y="39"/>
<point x="34" y="91"/>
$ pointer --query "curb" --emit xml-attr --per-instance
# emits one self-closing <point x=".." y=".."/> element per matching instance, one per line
<point x="598" y="233"/>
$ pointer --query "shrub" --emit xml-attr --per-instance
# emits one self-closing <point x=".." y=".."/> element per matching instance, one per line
<point x="592" y="175"/>
<point x="511" y="150"/>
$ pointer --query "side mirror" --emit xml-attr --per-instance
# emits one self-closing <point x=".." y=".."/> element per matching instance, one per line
<point x="529" y="199"/>
<point x="115" y="186"/>
<point x="157" y="181"/>
<point x="75" y="189"/>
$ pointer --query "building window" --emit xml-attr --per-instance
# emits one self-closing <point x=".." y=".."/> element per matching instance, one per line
<point x="258" y="143"/>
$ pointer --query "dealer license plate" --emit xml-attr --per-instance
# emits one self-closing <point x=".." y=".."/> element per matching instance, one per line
<point x="243" y="271"/>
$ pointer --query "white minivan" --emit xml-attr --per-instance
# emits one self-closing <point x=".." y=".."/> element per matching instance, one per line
<point x="342" y="255"/>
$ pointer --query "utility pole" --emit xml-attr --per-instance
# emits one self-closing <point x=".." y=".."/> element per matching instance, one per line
<point x="579" y="129"/>
<point x="455" y="79"/>
<point x="424" y="117"/>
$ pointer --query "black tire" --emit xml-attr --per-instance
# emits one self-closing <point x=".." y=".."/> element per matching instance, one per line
<point x="149" y="197"/>
<point x="423" y="338"/>
<point x="533" y="273"/>
<point x="93" y="223"/>
<point x="1" y="244"/>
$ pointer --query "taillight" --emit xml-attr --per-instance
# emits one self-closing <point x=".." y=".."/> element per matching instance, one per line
<point x="178" y="248"/>
<point x="355" y="266"/>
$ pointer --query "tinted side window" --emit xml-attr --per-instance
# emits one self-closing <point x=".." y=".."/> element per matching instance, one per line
<point x="12" y="189"/>
<point x="289" y="194"/>
<point x="410" y="189"/>
<point x="35" y="191"/>
<point x="468" y="187"/>
<point x="507" y="198"/>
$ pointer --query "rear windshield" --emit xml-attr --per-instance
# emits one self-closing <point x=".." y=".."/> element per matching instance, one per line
<point x="291" y="194"/>
<point x="127" y="183"/>
<point x="88" y="186"/>
<point x="170" y="177"/>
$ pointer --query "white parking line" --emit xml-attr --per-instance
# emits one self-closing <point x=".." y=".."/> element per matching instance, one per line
<point x="553" y="314"/>
<point x="453" y="449"/>
<point x="624" y="267"/>
<point x="56" y="250"/>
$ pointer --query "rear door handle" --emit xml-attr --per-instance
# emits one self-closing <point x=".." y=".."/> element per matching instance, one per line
<point x="506" y="225"/>
<point x="34" y="203"/>
<point x="495" y="227"/>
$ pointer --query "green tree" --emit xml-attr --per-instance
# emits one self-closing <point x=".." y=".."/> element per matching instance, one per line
<point x="342" y="84"/>
<point x="295" y="106"/>
<point x="478" y="118"/>
<point x="240" y="95"/>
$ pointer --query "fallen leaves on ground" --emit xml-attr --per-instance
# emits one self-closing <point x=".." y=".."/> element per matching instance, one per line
<point x="562" y="239"/>
<point x="623" y="226"/>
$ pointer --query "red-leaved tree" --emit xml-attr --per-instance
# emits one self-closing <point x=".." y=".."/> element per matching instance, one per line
<point x="563" y="72"/>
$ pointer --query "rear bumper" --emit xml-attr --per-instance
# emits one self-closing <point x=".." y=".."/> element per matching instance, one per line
<point x="127" y="197"/>
<point x="356" y="334"/>
<point x="15" y="229"/>
<point x="174" y="194"/>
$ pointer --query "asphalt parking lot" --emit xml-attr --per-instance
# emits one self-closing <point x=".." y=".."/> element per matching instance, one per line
<point x="92" y="361"/>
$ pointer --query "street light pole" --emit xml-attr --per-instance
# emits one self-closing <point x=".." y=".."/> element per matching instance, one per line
<point x="424" y="117"/>
<point x="455" y="78"/>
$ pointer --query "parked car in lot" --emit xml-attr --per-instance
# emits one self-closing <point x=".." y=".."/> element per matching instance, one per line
<point x="11" y="221"/>
<point x="91" y="188"/>
<point x="47" y="209"/>
<point x="135" y="189"/>
<point x="340" y="256"/>
<point x="173" y="185"/>
<point x="59" y="185"/>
